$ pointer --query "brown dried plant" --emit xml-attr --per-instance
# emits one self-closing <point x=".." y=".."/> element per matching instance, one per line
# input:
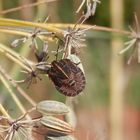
<point x="65" y="70"/>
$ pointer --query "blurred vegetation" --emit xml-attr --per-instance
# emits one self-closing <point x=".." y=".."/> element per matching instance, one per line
<point x="95" y="57"/>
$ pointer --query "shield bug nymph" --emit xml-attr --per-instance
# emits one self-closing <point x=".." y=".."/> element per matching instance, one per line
<point x="67" y="77"/>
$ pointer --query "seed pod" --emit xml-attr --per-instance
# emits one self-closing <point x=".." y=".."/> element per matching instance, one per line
<point x="56" y="124"/>
<point x="67" y="77"/>
<point x="68" y="137"/>
<point x="49" y="107"/>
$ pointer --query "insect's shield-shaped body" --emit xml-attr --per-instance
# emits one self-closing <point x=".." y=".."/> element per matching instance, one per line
<point x="67" y="77"/>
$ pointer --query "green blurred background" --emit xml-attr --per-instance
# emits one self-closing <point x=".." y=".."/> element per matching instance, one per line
<point x="93" y="106"/>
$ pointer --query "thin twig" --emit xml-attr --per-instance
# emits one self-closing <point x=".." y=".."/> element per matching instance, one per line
<point x="3" y="111"/>
<point x="19" y="89"/>
<point x="53" y="27"/>
<point x="15" y="57"/>
<point x="15" y="98"/>
<point x="24" y="33"/>
<point x="84" y="26"/>
<point x="25" y="6"/>
<point x="19" y="23"/>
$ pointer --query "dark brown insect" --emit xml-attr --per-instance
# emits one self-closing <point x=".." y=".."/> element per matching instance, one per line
<point x="67" y="77"/>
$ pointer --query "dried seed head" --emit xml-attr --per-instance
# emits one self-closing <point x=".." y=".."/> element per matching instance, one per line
<point x="134" y="43"/>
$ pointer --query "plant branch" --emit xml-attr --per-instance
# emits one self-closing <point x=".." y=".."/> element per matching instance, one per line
<point x="15" y="98"/>
<point x="24" y="33"/>
<point x="52" y="27"/>
<point x="15" y="57"/>
<point x="26" y="6"/>
<point x="85" y="26"/>
<point x="3" y="111"/>
<point x="19" y="23"/>
<point x="18" y="88"/>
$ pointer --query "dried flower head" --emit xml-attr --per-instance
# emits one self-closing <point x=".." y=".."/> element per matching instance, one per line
<point x="31" y="75"/>
<point x="45" y="125"/>
<point x="17" y="129"/>
<point x="134" y="43"/>
<point x="31" y="39"/>
<point x="74" y="38"/>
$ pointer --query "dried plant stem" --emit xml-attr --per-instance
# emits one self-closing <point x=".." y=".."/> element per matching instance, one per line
<point x="138" y="51"/>
<point x="14" y="32"/>
<point x="19" y="23"/>
<point x="15" y="98"/>
<point x="19" y="89"/>
<point x="15" y="57"/>
<point x="84" y="26"/>
<point x="71" y="116"/>
<point x="117" y="80"/>
<point x="53" y="27"/>
<point x="107" y="29"/>
<point x="27" y="112"/>
<point x="3" y="111"/>
<point x="25" y="6"/>
<point x="81" y="5"/>
<point x="24" y="33"/>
